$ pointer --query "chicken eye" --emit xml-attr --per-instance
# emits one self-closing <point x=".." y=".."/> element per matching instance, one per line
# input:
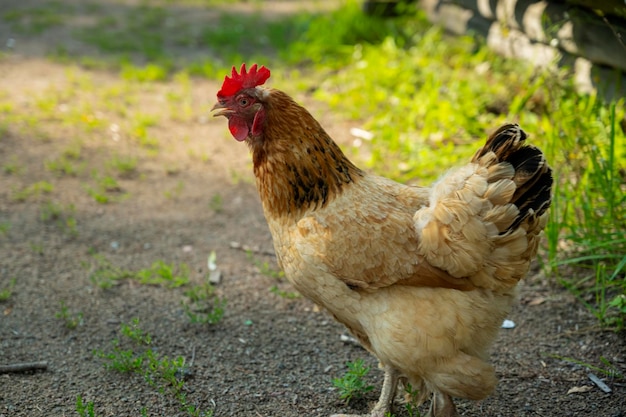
<point x="244" y="101"/>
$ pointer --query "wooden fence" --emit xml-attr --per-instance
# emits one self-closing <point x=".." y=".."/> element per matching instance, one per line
<point x="587" y="36"/>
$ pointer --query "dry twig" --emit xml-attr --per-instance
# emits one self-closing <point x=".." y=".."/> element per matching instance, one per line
<point x="23" y="367"/>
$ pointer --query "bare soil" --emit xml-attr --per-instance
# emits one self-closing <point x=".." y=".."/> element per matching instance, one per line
<point x="269" y="355"/>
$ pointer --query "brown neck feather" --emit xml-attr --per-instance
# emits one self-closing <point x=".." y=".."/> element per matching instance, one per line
<point x="297" y="165"/>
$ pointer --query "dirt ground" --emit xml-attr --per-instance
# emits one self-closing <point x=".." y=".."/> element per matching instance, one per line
<point x="269" y="355"/>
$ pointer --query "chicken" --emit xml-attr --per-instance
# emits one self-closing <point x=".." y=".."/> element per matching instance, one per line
<point x="422" y="276"/>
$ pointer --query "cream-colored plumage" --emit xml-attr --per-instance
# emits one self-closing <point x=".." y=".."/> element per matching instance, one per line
<point x="422" y="276"/>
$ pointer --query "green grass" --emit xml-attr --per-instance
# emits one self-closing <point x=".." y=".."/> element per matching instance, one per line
<point x="290" y="295"/>
<point x="132" y="353"/>
<point x="5" y="227"/>
<point x="12" y="167"/>
<point x="606" y="369"/>
<point x="216" y="204"/>
<point x="412" y="400"/>
<point x="105" y="275"/>
<point x="106" y="189"/>
<point x="63" y="166"/>
<point x="71" y="320"/>
<point x="61" y="216"/>
<point x="7" y="291"/>
<point x="34" y="190"/>
<point x="84" y="409"/>
<point x="264" y="267"/>
<point x="123" y="166"/>
<point x="352" y="385"/>
<point x="164" y="274"/>
<point x="203" y="306"/>
<point x="36" y="20"/>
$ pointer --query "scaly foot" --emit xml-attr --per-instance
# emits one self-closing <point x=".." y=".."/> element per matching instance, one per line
<point x="387" y="394"/>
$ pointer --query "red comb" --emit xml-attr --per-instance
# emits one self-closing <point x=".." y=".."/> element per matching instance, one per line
<point x="245" y="79"/>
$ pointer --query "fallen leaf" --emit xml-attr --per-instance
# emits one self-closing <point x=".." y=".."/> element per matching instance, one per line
<point x="579" y="390"/>
<point x="537" y="301"/>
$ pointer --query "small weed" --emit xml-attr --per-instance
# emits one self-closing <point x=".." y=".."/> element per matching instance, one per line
<point x="109" y="184"/>
<point x="139" y="131"/>
<point x="98" y="196"/>
<point x="352" y="384"/>
<point x="126" y="167"/>
<point x="84" y="409"/>
<point x="161" y="273"/>
<point x="412" y="398"/>
<point x="72" y="321"/>
<point x="33" y="190"/>
<point x="150" y="73"/>
<point x="121" y="360"/>
<point x="63" y="166"/>
<point x="12" y="167"/>
<point x="104" y="274"/>
<point x="5" y="227"/>
<point x="5" y="293"/>
<point x="66" y="164"/>
<point x="290" y="295"/>
<point x="175" y="192"/>
<point x="131" y="353"/>
<point x="37" y="248"/>
<point x="73" y="152"/>
<point x="265" y="268"/>
<point x="133" y="332"/>
<point x="204" y="306"/>
<point x="619" y="304"/>
<point x="107" y="189"/>
<point x="216" y="203"/>
<point x="610" y="370"/>
<point x="63" y="217"/>
<point x="181" y="106"/>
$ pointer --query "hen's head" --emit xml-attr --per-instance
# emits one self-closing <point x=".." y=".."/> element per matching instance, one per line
<point x="240" y="100"/>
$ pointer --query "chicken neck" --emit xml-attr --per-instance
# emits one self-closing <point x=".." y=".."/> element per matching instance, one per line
<point x="296" y="163"/>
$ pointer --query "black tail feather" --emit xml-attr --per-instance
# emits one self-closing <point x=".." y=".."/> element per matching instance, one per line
<point x="533" y="175"/>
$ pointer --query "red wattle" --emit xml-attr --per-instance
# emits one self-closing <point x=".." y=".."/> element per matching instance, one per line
<point x="238" y="128"/>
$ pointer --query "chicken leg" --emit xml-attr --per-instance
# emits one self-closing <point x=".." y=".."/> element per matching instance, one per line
<point x="442" y="406"/>
<point x="387" y="394"/>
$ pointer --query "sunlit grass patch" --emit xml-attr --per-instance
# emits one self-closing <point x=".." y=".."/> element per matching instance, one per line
<point x="139" y="31"/>
<point x="34" y="190"/>
<point x="36" y="20"/>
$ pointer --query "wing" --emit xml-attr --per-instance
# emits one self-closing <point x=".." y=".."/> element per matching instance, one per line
<point x="483" y="220"/>
<point x="366" y="238"/>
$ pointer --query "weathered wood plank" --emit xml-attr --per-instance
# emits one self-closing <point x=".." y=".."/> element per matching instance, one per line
<point x="575" y="30"/>
<point x="610" y="7"/>
<point x="510" y="40"/>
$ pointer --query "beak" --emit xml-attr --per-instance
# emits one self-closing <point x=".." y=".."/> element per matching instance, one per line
<point x="223" y="110"/>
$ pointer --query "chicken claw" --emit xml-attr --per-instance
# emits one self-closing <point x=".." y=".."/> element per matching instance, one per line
<point x="387" y="394"/>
